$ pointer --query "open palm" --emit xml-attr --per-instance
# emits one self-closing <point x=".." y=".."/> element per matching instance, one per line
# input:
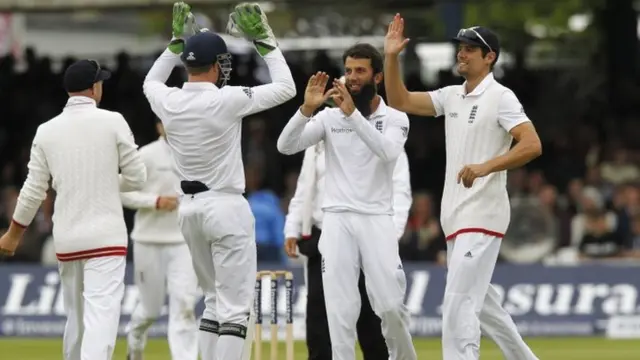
<point x="314" y="95"/>
<point x="394" y="41"/>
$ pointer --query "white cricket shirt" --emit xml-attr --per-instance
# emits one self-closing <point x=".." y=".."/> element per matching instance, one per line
<point x="401" y="194"/>
<point x="80" y="151"/>
<point x="477" y="129"/>
<point x="203" y="123"/>
<point x="360" y="153"/>
<point x="152" y="225"/>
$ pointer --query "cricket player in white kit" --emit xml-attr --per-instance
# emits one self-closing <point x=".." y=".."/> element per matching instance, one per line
<point x="161" y="259"/>
<point x="203" y="123"/>
<point x="362" y="146"/>
<point x="303" y="228"/>
<point x="80" y="152"/>
<point x="482" y="117"/>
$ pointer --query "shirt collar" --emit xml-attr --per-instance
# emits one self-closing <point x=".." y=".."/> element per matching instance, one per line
<point x="484" y="84"/>
<point x="380" y="111"/>
<point x="199" y="86"/>
<point x="75" y="101"/>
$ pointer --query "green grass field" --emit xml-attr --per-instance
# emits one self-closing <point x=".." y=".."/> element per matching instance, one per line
<point x="546" y="349"/>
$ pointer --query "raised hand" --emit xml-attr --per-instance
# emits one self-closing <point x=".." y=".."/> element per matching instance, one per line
<point x="342" y="98"/>
<point x="248" y="20"/>
<point x="394" y="41"/>
<point x="315" y="94"/>
<point x="181" y="12"/>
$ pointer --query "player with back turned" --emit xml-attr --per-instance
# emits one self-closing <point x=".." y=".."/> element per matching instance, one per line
<point x="80" y="152"/>
<point x="482" y="118"/>
<point x="203" y="124"/>
<point x="363" y="139"/>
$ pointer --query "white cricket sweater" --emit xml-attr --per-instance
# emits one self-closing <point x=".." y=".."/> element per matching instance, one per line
<point x="152" y="225"/>
<point x="477" y="129"/>
<point x="80" y="151"/>
<point x="361" y="155"/>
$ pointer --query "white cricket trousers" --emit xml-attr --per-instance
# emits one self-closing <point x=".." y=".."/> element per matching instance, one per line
<point x="161" y="269"/>
<point x="349" y="242"/>
<point x="219" y="229"/>
<point x="92" y="290"/>
<point x="472" y="305"/>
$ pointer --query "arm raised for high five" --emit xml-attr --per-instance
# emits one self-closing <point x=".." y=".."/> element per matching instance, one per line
<point x="416" y="103"/>
<point x="304" y="129"/>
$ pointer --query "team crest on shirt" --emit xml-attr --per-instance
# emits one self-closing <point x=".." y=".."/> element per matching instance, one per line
<point x="379" y="125"/>
<point x="472" y="115"/>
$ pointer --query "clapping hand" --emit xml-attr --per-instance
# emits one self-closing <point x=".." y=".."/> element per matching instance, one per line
<point x="342" y="98"/>
<point x="315" y="94"/>
<point x="394" y="41"/>
<point x="249" y="21"/>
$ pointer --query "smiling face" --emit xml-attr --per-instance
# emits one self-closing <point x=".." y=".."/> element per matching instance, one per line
<point x="472" y="62"/>
<point x="361" y="82"/>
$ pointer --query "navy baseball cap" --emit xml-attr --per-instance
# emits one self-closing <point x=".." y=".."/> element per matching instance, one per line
<point x="479" y="36"/>
<point x="82" y="74"/>
<point x="202" y="49"/>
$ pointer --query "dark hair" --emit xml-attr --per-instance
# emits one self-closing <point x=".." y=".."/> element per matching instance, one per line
<point x="485" y="51"/>
<point x="365" y="51"/>
<point x="199" y="70"/>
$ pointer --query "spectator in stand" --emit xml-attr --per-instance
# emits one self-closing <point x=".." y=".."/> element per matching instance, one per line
<point x="423" y="240"/>
<point x="620" y="170"/>
<point x="593" y="229"/>
<point x="268" y="214"/>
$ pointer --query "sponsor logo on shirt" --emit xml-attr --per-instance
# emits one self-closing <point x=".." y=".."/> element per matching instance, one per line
<point x="341" y="130"/>
<point x="453" y="115"/>
<point x="405" y="131"/>
<point x="248" y="92"/>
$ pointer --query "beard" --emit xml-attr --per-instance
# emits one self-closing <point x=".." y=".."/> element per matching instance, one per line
<point x="362" y="98"/>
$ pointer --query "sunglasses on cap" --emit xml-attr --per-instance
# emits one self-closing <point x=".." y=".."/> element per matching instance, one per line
<point x="98" y="70"/>
<point x="472" y="34"/>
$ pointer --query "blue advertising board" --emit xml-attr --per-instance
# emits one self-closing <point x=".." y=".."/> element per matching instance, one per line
<point x="544" y="301"/>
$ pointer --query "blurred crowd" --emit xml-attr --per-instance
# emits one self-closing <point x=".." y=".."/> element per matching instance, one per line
<point x="580" y="201"/>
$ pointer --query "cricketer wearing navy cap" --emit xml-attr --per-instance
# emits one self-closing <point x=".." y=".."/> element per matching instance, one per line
<point x="84" y="78"/>
<point x="203" y="126"/>
<point x="482" y="37"/>
<point x="206" y="52"/>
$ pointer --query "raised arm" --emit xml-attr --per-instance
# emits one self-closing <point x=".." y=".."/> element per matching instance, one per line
<point x="249" y="21"/>
<point x="182" y="24"/>
<point x="416" y="103"/>
<point x="402" y="198"/>
<point x="154" y="86"/>
<point x="133" y="172"/>
<point x="280" y="90"/>
<point x="300" y="133"/>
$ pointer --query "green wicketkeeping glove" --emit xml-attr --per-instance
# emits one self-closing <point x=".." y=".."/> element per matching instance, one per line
<point x="249" y="21"/>
<point x="182" y="26"/>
